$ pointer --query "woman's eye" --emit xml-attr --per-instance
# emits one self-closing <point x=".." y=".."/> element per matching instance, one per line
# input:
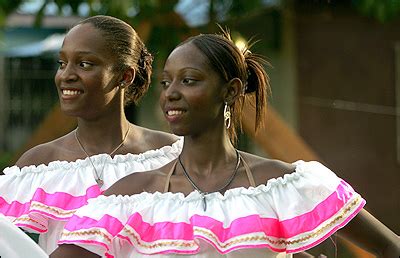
<point x="164" y="83"/>
<point x="85" y="64"/>
<point x="61" y="64"/>
<point x="188" y="81"/>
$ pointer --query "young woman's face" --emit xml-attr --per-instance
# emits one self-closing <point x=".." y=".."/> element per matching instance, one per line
<point x="85" y="79"/>
<point x="191" y="95"/>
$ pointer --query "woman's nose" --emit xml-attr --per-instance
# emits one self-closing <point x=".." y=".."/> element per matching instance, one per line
<point x="172" y="92"/>
<point x="68" y="73"/>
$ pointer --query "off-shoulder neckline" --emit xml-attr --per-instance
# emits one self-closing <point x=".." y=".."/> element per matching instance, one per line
<point x="98" y="158"/>
<point x="300" y="169"/>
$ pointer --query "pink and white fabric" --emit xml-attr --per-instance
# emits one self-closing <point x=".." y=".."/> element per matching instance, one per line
<point x="286" y="215"/>
<point x="40" y="199"/>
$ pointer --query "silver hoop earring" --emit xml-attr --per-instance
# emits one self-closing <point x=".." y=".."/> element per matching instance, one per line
<point x="227" y="115"/>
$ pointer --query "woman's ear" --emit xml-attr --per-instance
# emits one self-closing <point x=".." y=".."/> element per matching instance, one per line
<point x="233" y="89"/>
<point x="128" y="76"/>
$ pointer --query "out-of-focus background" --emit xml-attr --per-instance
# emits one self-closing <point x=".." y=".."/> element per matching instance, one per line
<point x="335" y="79"/>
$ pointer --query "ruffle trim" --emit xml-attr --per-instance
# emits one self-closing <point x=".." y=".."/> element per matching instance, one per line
<point x="34" y="215"/>
<point x="57" y="196"/>
<point x="181" y="239"/>
<point x="154" y="223"/>
<point x="176" y="147"/>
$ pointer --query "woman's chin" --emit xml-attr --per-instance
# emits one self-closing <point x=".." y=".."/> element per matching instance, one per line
<point x="179" y="132"/>
<point x="68" y="111"/>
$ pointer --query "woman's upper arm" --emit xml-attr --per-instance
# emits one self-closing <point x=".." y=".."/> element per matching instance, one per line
<point x="72" y="251"/>
<point x="134" y="183"/>
<point x="372" y="235"/>
<point x="37" y="155"/>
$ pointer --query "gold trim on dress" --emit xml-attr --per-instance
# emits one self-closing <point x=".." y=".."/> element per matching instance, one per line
<point x="223" y="245"/>
<point x="25" y="219"/>
<point x="160" y="243"/>
<point x="58" y="211"/>
<point x="91" y="232"/>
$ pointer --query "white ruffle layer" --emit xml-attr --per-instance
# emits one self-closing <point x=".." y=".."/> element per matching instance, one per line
<point x="287" y="214"/>
<point x="41" y="198"/>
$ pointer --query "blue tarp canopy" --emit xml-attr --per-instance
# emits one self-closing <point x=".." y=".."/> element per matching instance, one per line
<point x="28" y="42"/>
<point x="51" y="44"/>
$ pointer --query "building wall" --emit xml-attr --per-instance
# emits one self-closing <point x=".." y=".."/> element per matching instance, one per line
<point x="347" y="104"/>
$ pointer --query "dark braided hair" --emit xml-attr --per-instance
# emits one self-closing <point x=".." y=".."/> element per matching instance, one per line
<point x="129" y="50"/>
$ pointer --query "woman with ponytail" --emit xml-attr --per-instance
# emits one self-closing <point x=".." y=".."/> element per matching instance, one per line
<point x="103" y="65"/>
<point x="215" y="200"/>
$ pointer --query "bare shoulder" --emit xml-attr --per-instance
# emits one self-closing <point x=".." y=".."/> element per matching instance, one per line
<point x="45" y="153"/>
<point x="264" y="169"/>
<point x="154" y="139"/>
<point x="135" y="183"/>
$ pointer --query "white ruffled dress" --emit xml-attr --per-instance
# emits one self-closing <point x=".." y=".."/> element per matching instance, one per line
<point x="287" y="215"/>
<point x="40" y="199"/>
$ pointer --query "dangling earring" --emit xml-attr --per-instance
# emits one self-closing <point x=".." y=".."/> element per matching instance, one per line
<point x="227" y="115"/>
<point x="121" y="85"/>
<point x="244" y="89"/>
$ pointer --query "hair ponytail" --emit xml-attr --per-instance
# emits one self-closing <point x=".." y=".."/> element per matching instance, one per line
<point x="230" y="62"/>
<point x="257" y="83"/>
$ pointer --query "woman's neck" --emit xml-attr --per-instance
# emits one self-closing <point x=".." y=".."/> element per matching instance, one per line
<point x="206" y="154"/>
<point x="104" y="134"/>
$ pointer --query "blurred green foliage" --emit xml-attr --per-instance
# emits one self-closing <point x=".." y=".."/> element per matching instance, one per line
<point x="381" y="10"/>
<point x="5" y="158"/>
<point x="7" y="7"/>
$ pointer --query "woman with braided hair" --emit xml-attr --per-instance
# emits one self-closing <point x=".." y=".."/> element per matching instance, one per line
<point x="103" y="65"/>
<point x="214" y="200"/>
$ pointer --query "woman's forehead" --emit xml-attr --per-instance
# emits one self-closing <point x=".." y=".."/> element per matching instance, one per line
<point x="188" y="55"/>
<point x="86" y="38"/>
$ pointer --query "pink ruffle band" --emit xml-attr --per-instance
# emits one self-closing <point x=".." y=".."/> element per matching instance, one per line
<point x="291" y="235"/>
<point x="34" y="214"/>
